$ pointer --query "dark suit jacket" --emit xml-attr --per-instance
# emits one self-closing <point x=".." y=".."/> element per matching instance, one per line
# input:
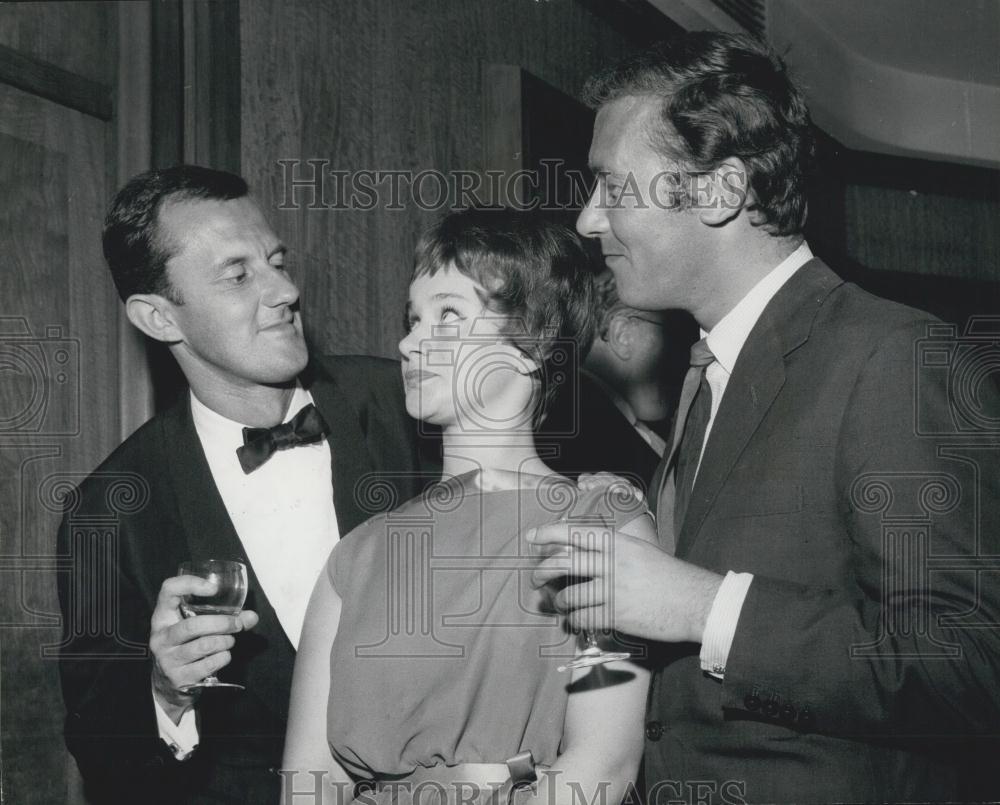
<point x="864" y="656"/>
<point x="153" y="504"/>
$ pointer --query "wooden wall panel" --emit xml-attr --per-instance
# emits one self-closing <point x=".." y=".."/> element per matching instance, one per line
<point x="52" y="32"/>
<point x="59" y="412"/>
<point x="923" y="232"/>
<point x="60" y="416"/>
<point x="394" y="85"/>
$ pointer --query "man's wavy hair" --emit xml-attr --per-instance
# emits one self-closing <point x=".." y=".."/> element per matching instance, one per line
<point x="536" y="272"/>
<point x="724" y="95"/>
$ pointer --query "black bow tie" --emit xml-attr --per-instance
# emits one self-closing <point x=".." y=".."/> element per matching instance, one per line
<point x="259" y="444"/>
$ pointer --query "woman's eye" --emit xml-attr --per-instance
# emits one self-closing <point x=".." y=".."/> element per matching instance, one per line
<point x="449" y="314"/>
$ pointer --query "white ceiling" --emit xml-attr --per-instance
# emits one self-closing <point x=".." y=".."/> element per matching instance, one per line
<point x="911" y="77"/>
<point x="957" y="40"/>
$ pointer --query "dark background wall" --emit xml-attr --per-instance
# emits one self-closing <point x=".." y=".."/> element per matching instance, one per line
<point x="388" y="86"/>
<point x="361" y="85"/>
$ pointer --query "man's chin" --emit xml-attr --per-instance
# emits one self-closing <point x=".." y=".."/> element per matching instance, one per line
<point x="287" y="370"/>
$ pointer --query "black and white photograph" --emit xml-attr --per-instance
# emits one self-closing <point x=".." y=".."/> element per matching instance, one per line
<point x="499" y="402"/>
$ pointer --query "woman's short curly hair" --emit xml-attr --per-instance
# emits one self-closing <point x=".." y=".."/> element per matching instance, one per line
<point x="537" y="273"/>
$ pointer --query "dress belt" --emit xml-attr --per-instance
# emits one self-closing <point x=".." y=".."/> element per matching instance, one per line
<point x="481" y="775"/>
<point x="518" y="770"/>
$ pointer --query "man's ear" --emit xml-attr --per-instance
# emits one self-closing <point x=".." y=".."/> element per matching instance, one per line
<point x="154" y="315"/>
<point x="620" y="337"/>
<point x="725" y="192"/>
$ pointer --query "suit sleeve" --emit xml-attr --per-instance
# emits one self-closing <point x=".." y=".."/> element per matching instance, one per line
<point x="104" y="664"/>
<point x="911" y="647"/>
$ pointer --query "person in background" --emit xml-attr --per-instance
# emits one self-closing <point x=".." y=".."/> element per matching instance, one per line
<point x="614" y="415"/>
<point x="639" y="358"/>
<point x="264" y="461"/>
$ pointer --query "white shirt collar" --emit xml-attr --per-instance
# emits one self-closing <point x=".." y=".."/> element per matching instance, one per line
<point x="728" y="336"/>
<point x="215" y="429"/>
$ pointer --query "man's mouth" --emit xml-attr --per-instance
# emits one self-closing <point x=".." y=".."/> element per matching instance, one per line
<point x="283" y="324"/>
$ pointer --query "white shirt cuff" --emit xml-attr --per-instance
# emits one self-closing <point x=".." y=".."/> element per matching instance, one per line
<point x="720" y="628"/>
<point x="181" y="738"/>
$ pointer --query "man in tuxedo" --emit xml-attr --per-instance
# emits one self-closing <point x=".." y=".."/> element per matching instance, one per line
<point x="266" y="460"/>
<point x="823" y="599"/>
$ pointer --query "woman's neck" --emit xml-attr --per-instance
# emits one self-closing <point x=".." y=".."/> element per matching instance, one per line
<point x="491" y="454"/>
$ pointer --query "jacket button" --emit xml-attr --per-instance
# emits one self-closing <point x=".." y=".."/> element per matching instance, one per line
<point x="654" y="730"/>
<point x="806" y="718"/>
<point x="788" y="713"/>
<point x="751" y="701"/>
<point x="771" y="708"/>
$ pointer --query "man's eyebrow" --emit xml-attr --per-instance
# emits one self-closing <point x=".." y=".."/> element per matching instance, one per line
<point x="235" y="260"/>
<point x="281" y="249"/>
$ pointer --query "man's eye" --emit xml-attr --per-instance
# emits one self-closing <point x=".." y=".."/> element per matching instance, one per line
<point x="237" y="277"/>
<point x="411" y="322"/>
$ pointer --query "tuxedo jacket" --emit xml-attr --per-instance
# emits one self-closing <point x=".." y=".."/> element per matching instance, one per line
<point x="152" y="505"/>
<point x="842" y="474"/>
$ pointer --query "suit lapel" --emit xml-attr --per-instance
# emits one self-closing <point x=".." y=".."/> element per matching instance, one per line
<point x="757" y="379"/>
<point x="349" y="457"/>
<point x="210" y="534"/>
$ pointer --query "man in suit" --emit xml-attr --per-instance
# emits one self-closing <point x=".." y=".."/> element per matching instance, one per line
<point x="823" y="599"/>
<point x="200" y="269"/>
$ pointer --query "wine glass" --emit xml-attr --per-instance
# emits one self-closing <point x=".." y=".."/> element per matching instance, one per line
<point x="592" y="653"/>
<point x="231" y="580"/>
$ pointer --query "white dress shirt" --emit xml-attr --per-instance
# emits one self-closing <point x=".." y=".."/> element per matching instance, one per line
<point x="284" y="515"/>
<point x="726" y="340"/>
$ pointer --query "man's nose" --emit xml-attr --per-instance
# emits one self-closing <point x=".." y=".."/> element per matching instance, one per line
<point x="280" y="290"/>
<point x="592" y="221"/>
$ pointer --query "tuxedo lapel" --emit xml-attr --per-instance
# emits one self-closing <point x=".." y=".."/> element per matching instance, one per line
<point x="757" y="379"/>
<point x="349" y="457"/>
<point x="210" y="534"/>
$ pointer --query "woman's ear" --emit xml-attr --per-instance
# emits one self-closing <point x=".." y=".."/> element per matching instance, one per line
<point x="528" y="365"/>
<point x="724" y="192"/>
<point x="154" y="315"/>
